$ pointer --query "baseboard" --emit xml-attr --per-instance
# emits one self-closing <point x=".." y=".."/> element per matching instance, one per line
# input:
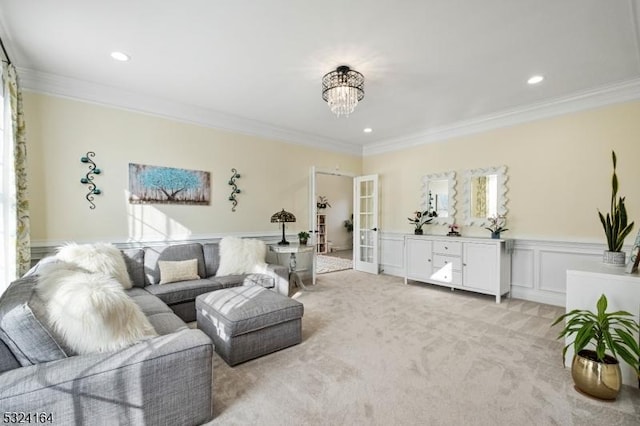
<point x="556" y="299"/>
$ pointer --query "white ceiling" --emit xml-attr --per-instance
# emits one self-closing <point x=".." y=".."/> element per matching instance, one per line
<point x="433" y="68"/>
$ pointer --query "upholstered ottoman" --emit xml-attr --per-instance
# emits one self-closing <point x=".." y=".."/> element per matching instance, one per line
<point x="249" y="321"/>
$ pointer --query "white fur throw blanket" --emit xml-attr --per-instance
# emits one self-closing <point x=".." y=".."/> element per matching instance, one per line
<point x="90" y="311"/>
<point x="98" y="257"/>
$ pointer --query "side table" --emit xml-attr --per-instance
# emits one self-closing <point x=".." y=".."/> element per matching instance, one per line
<point x="293" y="249"/>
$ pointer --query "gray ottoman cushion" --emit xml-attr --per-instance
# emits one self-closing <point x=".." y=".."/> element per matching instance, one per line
<point x="249" y="321"/>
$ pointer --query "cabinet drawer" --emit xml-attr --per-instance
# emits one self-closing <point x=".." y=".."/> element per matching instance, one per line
<point x="445" y="276"/>
<point x="448" y="247"/>
<point x="441" y="260"/>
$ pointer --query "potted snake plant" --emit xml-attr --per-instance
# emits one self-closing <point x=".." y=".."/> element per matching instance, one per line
<point x="615" y="223"/>
<point x="600" y="339"/>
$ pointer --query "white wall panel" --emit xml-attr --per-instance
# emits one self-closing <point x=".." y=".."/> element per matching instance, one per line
<point x="392" y="254"/>
<point x="522" y="270"/>
<point x="553" y="268"/>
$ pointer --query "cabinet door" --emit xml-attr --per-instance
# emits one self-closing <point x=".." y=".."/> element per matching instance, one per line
<point x="418" y="259"/>
<point x="481" y="267"/>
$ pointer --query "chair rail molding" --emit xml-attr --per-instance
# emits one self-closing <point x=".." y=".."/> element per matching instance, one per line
<point x="41" y="249"/>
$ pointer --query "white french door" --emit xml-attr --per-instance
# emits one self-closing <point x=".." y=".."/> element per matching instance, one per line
<point x="313" y="226"/>
<point x="365" y="224"/>
<point x="365" y="220"/>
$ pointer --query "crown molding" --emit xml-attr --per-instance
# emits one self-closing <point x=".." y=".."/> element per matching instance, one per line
<point x="606" y="95"/>
<point x="65" y="87"/>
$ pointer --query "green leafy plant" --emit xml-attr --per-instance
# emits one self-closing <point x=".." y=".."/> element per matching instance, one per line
<point x="615" y="222"/>
<point x="303" y="235"/>
<point x="349" y="224"/>
<point x="419" y="219"/>
<point x="607" y="331"/>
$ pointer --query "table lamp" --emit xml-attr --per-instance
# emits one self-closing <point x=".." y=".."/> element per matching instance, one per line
<point x="283" y="217"/>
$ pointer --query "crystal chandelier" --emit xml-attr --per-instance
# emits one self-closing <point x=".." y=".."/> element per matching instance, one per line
<point x="342" y="89"/>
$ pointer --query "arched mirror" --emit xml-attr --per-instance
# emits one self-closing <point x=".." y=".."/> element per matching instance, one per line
<point x="438" y="197"/>
<point x="485" y="195"/>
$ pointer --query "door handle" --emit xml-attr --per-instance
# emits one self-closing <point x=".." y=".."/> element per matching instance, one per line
<point x="374" y="229"/>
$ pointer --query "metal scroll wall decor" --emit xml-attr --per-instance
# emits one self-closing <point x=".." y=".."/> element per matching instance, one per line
<point x="88" y="178"/>
<point x="234" y="189"/>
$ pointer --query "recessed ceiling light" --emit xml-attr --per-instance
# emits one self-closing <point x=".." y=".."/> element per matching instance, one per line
<point x="535" y="79"/>
<point x="119" y="56"/>
<point x="368" y="130"/>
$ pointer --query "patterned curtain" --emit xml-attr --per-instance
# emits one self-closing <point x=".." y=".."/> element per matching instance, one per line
<point x="17" y="256"/>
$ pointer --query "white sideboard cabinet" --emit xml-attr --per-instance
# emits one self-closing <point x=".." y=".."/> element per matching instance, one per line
<point x="481" y="265"/>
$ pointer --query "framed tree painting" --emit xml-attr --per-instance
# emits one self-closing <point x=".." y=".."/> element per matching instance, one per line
<point x="168" y="185"/>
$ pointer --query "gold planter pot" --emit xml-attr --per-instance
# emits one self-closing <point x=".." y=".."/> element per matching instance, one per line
<point x="601" y="380"/>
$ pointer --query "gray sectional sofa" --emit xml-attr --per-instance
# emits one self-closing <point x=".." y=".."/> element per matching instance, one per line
<point x="166" y="380"/>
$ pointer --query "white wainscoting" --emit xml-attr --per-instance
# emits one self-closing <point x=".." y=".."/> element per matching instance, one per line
<point x="392" y="254"/>
<point x="41" y="249"/>
<point x="538" y="268"/>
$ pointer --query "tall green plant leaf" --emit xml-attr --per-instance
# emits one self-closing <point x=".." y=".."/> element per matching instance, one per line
<point x="615" y="222"/>
<point x="601" y="305"/>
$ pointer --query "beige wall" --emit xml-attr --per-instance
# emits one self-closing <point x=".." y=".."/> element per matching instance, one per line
<point x="60" y="131"/>
<point x="559" y="173"/>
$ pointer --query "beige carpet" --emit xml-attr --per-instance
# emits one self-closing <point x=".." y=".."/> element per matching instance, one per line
<point x="378" y="352"/>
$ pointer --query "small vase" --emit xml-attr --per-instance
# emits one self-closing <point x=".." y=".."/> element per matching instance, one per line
<point x="495" y="235"/>
<point x="418" y="231"/>
<point x="303" y="242"/>
<point x="614" y="257"/>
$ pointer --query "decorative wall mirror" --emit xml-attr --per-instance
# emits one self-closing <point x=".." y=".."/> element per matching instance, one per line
<point x="485" y="195"/>
<point x="438" y="197"/>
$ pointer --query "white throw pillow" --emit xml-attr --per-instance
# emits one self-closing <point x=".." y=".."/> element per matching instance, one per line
<point x="242" y="256"/>
<point x="98" y="257"/>
<point x="91" y="311"/>
<point x="181" y="270"/>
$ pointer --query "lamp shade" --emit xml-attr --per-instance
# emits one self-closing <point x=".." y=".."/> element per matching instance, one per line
<point x="282" y="217"/>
